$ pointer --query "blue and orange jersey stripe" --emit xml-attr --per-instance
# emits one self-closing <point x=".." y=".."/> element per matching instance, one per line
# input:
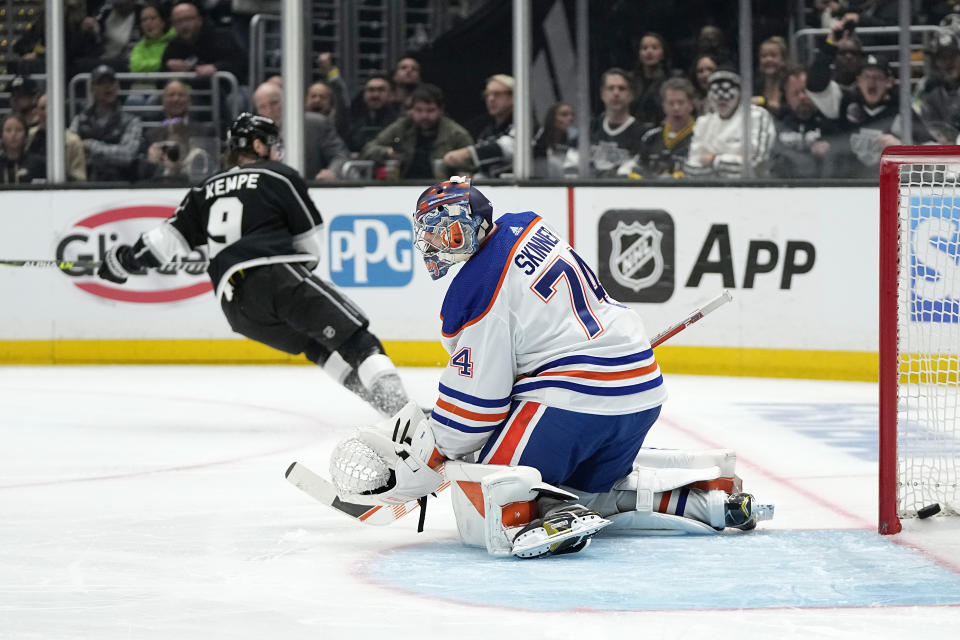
<point x="596" y="375"/>
<point x="467" y="413"/>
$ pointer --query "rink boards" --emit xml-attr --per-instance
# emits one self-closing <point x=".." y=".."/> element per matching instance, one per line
<point x="801" y="264"/>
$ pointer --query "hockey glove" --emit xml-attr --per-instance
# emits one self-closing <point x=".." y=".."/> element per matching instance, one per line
<point x="118" y="264"/>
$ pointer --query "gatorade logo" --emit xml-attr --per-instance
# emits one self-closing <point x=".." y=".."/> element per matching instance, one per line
<point x="91" y="238"/>
<point x="934" y="255"/>
<point x="371" y="250"/>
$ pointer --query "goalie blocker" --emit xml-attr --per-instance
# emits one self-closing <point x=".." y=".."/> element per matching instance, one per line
<point x="510" y="511"/>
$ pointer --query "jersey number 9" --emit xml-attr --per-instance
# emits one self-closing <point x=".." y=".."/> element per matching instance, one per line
<point x="223" y="225"/>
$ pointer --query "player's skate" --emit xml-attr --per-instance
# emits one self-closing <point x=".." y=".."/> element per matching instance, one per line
<point x="387" y="394"/>
<point x="740" y="511"/>
<point x="567" y="530"/>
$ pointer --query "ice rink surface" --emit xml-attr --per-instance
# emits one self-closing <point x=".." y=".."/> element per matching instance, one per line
<point x="150" y="502"/>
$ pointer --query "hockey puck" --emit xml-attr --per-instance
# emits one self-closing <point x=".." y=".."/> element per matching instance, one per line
<point x="929" y="510"/>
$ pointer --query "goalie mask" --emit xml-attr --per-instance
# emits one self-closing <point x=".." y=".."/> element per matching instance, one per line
<point x="450" y="223"/>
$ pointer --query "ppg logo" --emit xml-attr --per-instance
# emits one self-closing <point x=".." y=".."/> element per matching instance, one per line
<point x="934" y="259"/>
<point x="371" y="251"/>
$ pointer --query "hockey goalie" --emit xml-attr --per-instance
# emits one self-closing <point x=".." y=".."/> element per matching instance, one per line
<point x="543" y="407"/>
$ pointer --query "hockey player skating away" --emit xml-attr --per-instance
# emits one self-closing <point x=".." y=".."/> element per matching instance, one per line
<point x="551" y="388"/>
<point x="262" y="233"/>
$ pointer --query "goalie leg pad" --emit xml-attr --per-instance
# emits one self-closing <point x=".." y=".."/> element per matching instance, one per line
<point x="493" y="502"/>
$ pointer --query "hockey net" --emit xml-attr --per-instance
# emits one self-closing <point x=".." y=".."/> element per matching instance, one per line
<point x="919" y="333"/>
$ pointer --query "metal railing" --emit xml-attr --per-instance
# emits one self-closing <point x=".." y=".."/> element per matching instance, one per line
<point x="882" y="40"/>
<point x="265" y="46"/>
<point x="205" y="102"/>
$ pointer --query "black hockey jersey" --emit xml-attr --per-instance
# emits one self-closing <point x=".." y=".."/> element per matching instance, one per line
<point x="252" y="215"/>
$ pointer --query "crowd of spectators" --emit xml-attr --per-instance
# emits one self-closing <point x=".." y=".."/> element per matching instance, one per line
<point x="830" y="118"/>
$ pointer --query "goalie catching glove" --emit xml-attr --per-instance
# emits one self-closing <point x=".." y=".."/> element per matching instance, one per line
<point x="393" y="463"/>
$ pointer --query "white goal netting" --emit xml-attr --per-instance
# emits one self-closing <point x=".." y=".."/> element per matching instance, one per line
<point x="928" y="323"/>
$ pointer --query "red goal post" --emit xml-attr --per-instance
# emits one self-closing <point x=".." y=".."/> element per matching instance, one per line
<point x="919" y="403"/>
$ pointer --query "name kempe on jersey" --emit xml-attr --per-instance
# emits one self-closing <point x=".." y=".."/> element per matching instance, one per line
<point x="526" y="319"/>
<point x="247" y="216"/>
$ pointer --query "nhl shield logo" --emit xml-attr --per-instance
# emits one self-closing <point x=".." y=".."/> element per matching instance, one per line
<point x="636" y="258"/>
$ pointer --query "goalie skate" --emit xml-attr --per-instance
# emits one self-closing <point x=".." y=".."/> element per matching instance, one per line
<point x="565" y="531"/>
<point x="741" y="512"/>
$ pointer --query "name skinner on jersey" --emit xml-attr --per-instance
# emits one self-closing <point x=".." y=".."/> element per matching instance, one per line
<point x="231" y="183"/>
<point x="535" y="250"/>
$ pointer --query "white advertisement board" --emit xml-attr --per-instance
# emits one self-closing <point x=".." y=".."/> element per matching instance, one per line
<point x="801" y="263"/>
<point x="369" y="254"/>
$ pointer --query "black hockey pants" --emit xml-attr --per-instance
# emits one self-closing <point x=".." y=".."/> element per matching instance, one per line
<point x="286" y="307"/>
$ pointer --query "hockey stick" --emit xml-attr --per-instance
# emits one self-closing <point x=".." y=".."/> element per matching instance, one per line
<point x="695" y="315"/>
<point x="66" y="265"/>
<point x="323" y="491"/>
<point x="59" y="264"/>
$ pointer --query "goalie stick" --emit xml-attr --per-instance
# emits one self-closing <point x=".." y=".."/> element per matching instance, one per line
<point x="694" y="315"/>
<point x="323" y="491"/>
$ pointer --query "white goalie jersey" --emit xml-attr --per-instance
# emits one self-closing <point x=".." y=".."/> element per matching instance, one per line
<point x="527" y="319"/>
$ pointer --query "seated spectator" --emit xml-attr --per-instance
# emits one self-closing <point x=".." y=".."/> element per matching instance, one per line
<point x="111" y="138"/>
<point x="325" y="151"/>
<point x="940" y="99"/>
<point x="372" y="113"/>
<point x="419" y="140"/>
<point x="340" y="105"/>
<point x="868" y="114"/>
<point x="555" y="145"/>
<point x="76" y="164"/>
<point x="772" y="67"/>
<point x="711" y="41"/>
<point x="84" y="46"/>
<point x="201" y="48"/>
<point x="23" y="99"/>
<point x="805" y="137"/>
<point x="492" y="154"/>
<point x="845" y="51"/>
<point x="180" y="148"/>
<point x="147" y="54"/>
<point x="616" y="134"/>
<point x="649" y="73"/>
<point x="322" y="99"/>
<point x="17" y="165"/>
<point x="703" y="67"/>
<point x="664" y="149"/>
<point x="119" y="29"/>
<point x="717" y="146"/>
<point x="405" y="78"/>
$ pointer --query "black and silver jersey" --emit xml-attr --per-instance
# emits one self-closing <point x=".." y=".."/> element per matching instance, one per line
<point x="252" y="215"/>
